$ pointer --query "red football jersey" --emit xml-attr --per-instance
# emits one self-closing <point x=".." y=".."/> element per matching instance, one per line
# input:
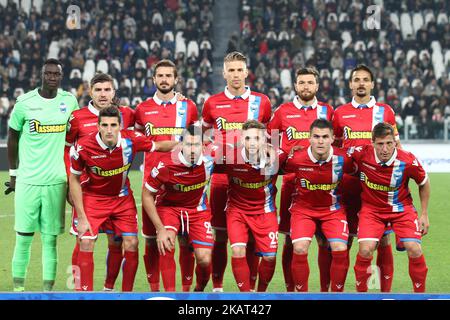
<point x="227" y="113"/>
<point x="84" y="121"/>
<point x="293" y="121"/>
<point x="385" y="185"/>
<point x="107" y="170"/>
<point x="318" y="183"/>
<point x="353" y="123"/>
<point x="252" y="189"/>
<point x="163" y="121"/>
<point x="181" y="184"/>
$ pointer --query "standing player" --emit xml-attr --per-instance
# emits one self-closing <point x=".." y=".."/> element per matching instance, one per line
<point x="106" y="158"/>
<point x="37" y="131"/>
<point x="293" y="121"/>
<point x="163" y="117"/>
<point x="81" y="123"/>
<point x="182" y="205"/>
<point x="353" y="123"/>
<point x="226" y="112"/>
<point x="251" y="205"/>
<point x="386" y="199"/>
<point x="317" y="203"/>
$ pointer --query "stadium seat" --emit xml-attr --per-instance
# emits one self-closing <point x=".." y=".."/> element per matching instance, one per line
<point x="360" y="45"/>
<point x="116" y="64"/>
<point x="5" y="102"/>
<point x="410" y="54"/>
<point x="412" y="126"/>
<point x="429" y="16"/>
<point x="336" y="74"/>
<point x="116" y="84"/>
<point x="170" y="34"/>
<point x="3" y="3"/>
<point x="102" y="65"/>
<point x="144" y="45"/>
<point x="191" y="83"/>
<point x="285" y="78"/>
<point x="89" y="70"/>
<point x="417" y="21"/>
<point x="308" y="52"/>
<point x="192" y="48"/>
<point x="16" y="55"/>
<point x="180" y="43"/>
<point x="26" y="6"/>
<point x="343" y="16"/>
<point x="395" y="20"/>
<point x="406" y="25"/>
<point x="53" y="50"/>
<point x="206" y="44"/>
<point x="38" y="5"/>
<point x="140" y="63"/>
<point x="347" y="39"/>
<point x="447" y="58"/>
<point x="154" y="44"/>
<point x="442" y="18"/>
<point x="75" y="73"/>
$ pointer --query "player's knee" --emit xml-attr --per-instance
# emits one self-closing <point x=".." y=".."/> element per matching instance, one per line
<point x="366" y="251"/>
<point x="338" y="246"/>
<point x="300" y="248"/>
<point x="203" y="259"/>
<point x="269" y="258"/>
<point x="130" y="243"/>
<point x="87" y="245"/>
<point x="238" y="251"/>
<point x="414" y="249"/>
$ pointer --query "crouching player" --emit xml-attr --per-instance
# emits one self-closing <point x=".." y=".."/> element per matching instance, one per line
<point x="106" y="157"/>
<point x="317" y="203"/>
<point x="182" y="207"/>
<point x="384" y="172"/>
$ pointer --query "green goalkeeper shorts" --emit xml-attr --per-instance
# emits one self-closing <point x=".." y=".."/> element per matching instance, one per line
<point x="40" y="208"/>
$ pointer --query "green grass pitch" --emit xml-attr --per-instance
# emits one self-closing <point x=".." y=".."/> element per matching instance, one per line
<point x="435" y="245"/>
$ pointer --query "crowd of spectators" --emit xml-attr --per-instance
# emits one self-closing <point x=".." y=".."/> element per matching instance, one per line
<point x="123" y="38"/>
<point x="408" y="48"/>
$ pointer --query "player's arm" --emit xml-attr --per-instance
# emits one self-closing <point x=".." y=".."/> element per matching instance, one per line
<point x="77" y="198"/>
<point x="13" y="159"/>
<point x="164" y="146"/>
<point x="424" y="195"/>
<point x="163" y="238"/>
<point x="207" y="122"/>
<point x="337" y="130"/>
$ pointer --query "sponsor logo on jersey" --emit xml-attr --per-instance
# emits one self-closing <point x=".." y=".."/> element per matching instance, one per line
<point x="99" y="156"/>
<point x="151" y="112"/>
<point x="223" y="106"/>
<point x="375" y="186"/>
<point x="293" y="134"/>
<point x="151" y="130"/>
<point x="291" y="116"/>
<point x="187" y="188"/>
<point x="90" y="124"/>
<point x="349" y="134"/>
<point x="180" y="173"/>
<point x="305" y="169"/>
<point x="305" y="183"/>
<point x="223" y="124"/>
<point x="369" y="166"/>
<point x="349" y="116"/>
<point x="251" y="185"/>
<point x="108" y="173"/>
<point x="37" y="127"/>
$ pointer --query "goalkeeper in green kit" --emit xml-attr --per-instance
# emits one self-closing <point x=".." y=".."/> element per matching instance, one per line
<point x="36" y="139"/>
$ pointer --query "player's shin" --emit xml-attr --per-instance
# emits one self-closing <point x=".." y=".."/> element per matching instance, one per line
<point x="300" y="271"/>
<point x="324" y="260"/>
<point x="266" y="271"/>
<point x="253" y="263"/>
<point x="286" y="261"/>
<point x="339" y="269"/>
<point x="21" y="259"/>
<point x="168" y="270"/>
<point x="129" y="269"/>
<point x="362" y="274"/>
<point x="187" y="262"/>
<point x="49" y="260"/>
<point x="202" y="275"/>
<point x="75" y="272"/>
<point x="219" y="263"/>
<point x="385" y="261"/>
<point x="86" y="264"/>
<point x="151" y="261"/>
<point x="418" y="272"/>
<point x="241" y="273"/>
<point x="113" y="262"/>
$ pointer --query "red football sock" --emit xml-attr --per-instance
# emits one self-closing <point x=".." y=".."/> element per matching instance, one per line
<point x="286" y="262"/>
<point x="113" y="262"/>
<point x="362" y="273"/>
<point x="219" y="263"/>
<point x="75" y="269"/>
<point x="129" y="268"/>
<point x="418" y="272"/>
<point x="338" y="270"/>
<point x="151" y="261"/>
<point x="241" y="273"/>
<point x="168" y="270"/>
<point x="202" y="275"/>
<point x="86" y="264"/>
<point x="300" y="271"/>
<point x="385" y="261"/>
<point x="266" y="271"/>
<point x="324" y="259"/>
<point x="187" y="261"/>
<point x="253" y="263"/>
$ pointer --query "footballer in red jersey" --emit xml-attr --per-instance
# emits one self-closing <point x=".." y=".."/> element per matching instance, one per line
<point x="353" y="123"/>
<point x="293" y="121"/>
<point x="251" y="204"/>
<point x="164" y="117"/>
<point x="385" y="171"/>
<point x="84" y="122"/>
<point x="105" y="158"/>
<point x="175" y="198"/>
<point x="317" y="204"/>
<point x="225" y="113"/>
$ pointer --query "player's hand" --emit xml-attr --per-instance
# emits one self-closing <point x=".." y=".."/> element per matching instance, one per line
<point x="10" y="185"/>
<point x="424" y="224"/>
<point x="180" y="96"/>
<point x="83" y="226"/>
<point x="164" y="241"/>
<point x="295" y="148"/>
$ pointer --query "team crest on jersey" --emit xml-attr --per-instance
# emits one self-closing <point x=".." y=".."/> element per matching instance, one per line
<point x="293" y="134"/>
<point x="63" y="107"/>
<point x="155" y="170"/>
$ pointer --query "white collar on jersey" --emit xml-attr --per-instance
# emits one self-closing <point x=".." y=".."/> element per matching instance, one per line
<point x="244" y="96"/>
<point x="262" y="164"/>
<point x="188" y="163"/>
<point x="300" y="106"/>
<point x="160" y="102"/>
<point x="92" y="108"/>
<point x="389" y="162"/>
<point x="370" y="104"/>
<point x="103" y="145"/>
<point x="314" y="160"/>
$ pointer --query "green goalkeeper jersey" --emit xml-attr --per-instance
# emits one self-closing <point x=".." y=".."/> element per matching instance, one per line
<point x="42" y="125"/>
